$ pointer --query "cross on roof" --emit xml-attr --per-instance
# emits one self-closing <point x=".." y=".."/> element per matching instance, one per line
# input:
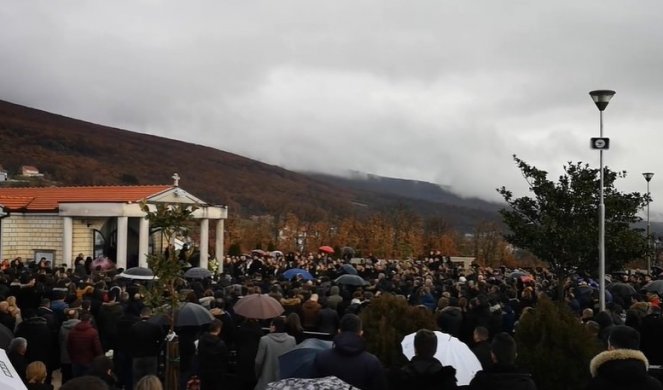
<point x="176" y="179"/>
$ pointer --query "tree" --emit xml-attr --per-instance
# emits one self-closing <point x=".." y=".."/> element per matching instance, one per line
<point x="559" y="224"/>
<point x="173" y="221"/>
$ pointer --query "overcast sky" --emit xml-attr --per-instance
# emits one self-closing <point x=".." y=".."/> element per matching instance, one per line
<point x="441" y="91"/>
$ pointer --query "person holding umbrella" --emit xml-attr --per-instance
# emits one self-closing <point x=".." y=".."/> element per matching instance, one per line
<point x="424" y="371"/>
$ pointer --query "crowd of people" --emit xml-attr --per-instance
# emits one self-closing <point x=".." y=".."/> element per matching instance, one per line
<point x="90" y="326"/>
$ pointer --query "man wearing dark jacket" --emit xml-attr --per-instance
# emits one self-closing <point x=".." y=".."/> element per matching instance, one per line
<point x="348" y="359"/>
<point x="503" y="374"/>
<point x="145" y="343"/>
<point x="212" y="357"/>
<point x="40" y="341"/>
<point x="424" y="371"/>
<point x="622" y="366"/>
<point x="83" y="345"/>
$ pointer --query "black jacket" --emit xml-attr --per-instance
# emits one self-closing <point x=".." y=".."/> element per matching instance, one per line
<point x="212" y="354"/>
<point x="40" y="341"/>
<point x="145" y="339"/>
<point x="482" y="352"/>
<point x="349" y="361"/>
<point x="621" y="369"/>
<point x="426" y="374"/>
<point x="500" y="377"/>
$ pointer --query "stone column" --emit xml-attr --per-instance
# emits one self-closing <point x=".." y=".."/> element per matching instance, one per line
<point x="143" y="241"/>
<point x="204" y="242"/>
<point x="68" y="242"/>
<point x="219" y="244"/>
<point x="122" y="231"/>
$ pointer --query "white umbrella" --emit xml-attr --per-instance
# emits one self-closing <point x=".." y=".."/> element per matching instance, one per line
<point x="450" y="352"/>
<point x="9" y="378"/>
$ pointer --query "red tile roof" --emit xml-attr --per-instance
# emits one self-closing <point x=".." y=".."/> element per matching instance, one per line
<point x="47" y="198"/>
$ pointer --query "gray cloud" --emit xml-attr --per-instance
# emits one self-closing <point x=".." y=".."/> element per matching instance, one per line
<point x="433" y="90"/>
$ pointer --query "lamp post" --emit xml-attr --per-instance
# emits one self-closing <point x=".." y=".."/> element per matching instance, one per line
<point x="601" y="98"/>
<point x="648" y="176"/>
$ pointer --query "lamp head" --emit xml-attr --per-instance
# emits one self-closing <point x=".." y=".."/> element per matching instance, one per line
<point x="601" y="98"/>
<point x="648" y="176"/>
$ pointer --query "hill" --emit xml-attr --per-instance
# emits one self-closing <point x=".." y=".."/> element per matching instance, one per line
<point x="74" y="152"/>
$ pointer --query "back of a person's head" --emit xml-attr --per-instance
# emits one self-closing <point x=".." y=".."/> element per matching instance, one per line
<point x="149" y="382"/>
<point x="503" y="348"/>
<point x="87" y="382"/>
<point x="350" y="323"/>
<point x="624" y="337"/>
<point x="35" y="372"/>
<point x="279" y="324"/>
<point x="215" y="326"/>
<point x="17" y="345"/>
<point x="425" y="343"/>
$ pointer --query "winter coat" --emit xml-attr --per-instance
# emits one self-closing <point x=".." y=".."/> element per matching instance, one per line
<point x="310" y="314"/>
<point x="107" y="319"/>
<point x="66" y="327"/>
<point x="482" y="352"/>
<point x="450" y="320"/>
<point x="247" y="338"/>
<point x="145" y="339"/>
<point x="350" y="362"/>
<point x="621" y="369"/>
<point x="83" y="343"/>
<point x="20" y="364"/>
<point x="212" y="355"/>
<point x="426" y="374"/>
<point x="270" y="347"/>
<point x="328" y="322"/>
<point x="502" y="377"/>
<point x="40" y="341"/>
<point x="651" y="338"/>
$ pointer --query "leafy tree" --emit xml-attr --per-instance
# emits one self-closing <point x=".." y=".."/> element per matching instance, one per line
<point x="559" y="223"/>
<point x="173" y="220"/>
<point x="555" y="347"/>
<point x="387" y="320"/>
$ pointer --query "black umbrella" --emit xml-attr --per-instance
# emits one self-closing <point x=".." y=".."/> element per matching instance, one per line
<point x="197" y="273"/>
<point x="655" y="286"/>
<point x="623" y="289"/>
<point x="347" y="269"/>
<point x="138" y="273"/>
<point x="351" y="280"/>
<point x="188" y="314"/>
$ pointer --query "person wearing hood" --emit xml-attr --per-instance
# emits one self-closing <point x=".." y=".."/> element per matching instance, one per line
<point x="424" y="371"/>
<point x="83" y="345"/>
<point x="348" y="359"/>
<point x="65" y="362"/>
<point x="623" y="365"/>
<point x="503" y="374"/>
<point x="270" y="347"/>
<point x="212" y="357"/>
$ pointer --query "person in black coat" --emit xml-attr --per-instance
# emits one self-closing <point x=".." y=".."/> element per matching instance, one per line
<point x="481" y="348"/>
<point x="622" y="366"/>
<point x="424" y="371"/>
<point x="247" y="338"/>
<point x="144" y="345"/>
<point x="16" y="355"/>
<point x="40" y="340"/>
<point x="212" y="357"/>
<point x="348" y="359"/>
<point x="503" y="374"/>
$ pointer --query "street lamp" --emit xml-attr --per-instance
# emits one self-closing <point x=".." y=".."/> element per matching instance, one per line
<point x="648" y="176"/>
<point x="601" y="98"/>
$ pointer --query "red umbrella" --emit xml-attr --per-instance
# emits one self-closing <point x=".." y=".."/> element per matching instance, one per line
<point x="258" y="306"/>
<point x="326" y="249"/>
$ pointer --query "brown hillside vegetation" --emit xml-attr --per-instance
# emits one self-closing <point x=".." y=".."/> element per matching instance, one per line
<point x="322" y="209"/>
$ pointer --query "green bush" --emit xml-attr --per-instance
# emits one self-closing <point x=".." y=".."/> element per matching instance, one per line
<point x="554" y="347"/>
<point x="387" y="319"/>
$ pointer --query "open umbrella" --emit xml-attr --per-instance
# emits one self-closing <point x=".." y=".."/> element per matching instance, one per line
<point x="348" y="252"/>
<point x="351" y="280"/>
<point x="326" y="383"/>
<point x="298" y="362"/>
<point x="622" y="289"/>
<point x="292" y="272"/>
<point x="326" y="249"/>
<point x="9" y="379"/>
<point x="187" y="314"/>
<point x="348" y="269"/>
<point x="450" y="352"/>
<point x="258" y="306"/>
<point x="104" y="262"/>
<point x="655" y="286"/>
<point x="138" y="273"/>
<point x="276" y="254"/>
<point x="258" y="252"/>
<point x="198" y="273"/>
